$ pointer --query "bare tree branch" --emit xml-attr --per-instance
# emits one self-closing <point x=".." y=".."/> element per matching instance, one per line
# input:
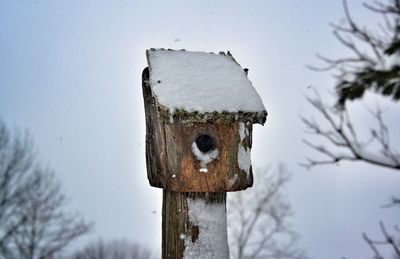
<point x="373" y="64"/>
<point x="394" y="202"/>
<point x="116" y="249"/>
<point x="389" y="240"/>
<point x="343" y="139"/>
<point x="258" y="220"/>
<point x="372" y="244"/>
<point x="32" y="222"/>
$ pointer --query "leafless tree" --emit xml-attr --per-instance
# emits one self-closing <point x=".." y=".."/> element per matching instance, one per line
<point x="374" y="61"/>
<point x="373" y="65"/>
<point x="388" y="240"/>
<point x="33" y="224"/>
<point x="342" y="141"/>
<point x="258" y="224"/>
<point x="117" y="249"/>
<point x="377" y="69"/>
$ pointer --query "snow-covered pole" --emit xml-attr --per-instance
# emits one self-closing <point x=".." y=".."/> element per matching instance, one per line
<point x="194" y="225"/>
<point x="199" y="110"/>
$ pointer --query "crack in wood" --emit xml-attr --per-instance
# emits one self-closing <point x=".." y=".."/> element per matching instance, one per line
<point x="195" y="233"/>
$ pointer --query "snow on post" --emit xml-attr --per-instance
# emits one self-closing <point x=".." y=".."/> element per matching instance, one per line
<point x="211" y="221"/>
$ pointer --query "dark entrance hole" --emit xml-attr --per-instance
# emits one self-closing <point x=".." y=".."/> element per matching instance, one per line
<point x="205" y="143"/>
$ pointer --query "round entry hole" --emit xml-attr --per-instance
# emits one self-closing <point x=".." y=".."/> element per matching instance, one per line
<point x="205" y="143"/>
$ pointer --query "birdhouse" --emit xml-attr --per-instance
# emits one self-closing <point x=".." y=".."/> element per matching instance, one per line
<point x="200" y="108"/>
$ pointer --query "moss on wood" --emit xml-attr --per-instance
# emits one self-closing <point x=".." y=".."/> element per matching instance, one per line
<point x="187" y="117"/>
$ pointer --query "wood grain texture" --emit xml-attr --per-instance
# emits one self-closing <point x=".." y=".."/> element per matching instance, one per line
<point x="155" y="139"/>
<point x="223" y="172"/>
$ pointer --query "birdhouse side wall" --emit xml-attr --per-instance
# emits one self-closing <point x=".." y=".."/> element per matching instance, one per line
<point x="155" y="137"/>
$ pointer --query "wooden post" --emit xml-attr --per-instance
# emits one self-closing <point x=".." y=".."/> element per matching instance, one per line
<point x="205" y="236"/>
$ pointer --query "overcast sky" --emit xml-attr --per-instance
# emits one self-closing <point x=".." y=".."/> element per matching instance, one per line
<point x="70" y="73"/>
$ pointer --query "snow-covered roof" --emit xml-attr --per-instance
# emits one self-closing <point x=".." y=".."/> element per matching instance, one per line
<point x="185" y="82"/>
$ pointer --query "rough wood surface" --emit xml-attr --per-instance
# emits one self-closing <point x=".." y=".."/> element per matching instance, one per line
<point x="184" y="167"/>
<point x="155" y="139"/>
<point x="176" y="223"/>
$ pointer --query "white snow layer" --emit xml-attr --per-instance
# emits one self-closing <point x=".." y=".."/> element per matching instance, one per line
<point x="388" y="62"/>
<point x="212" y="240"/>
<point x="244" y="159"/>
<point x="244" y="156"/>
<point x="243" y="132"/>
<point x="204" y="157"/>
<point x="376" y="156"/>
<point x="203" y="82"/>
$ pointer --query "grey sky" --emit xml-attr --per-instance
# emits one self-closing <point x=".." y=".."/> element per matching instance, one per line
<point x="70" y="72"/>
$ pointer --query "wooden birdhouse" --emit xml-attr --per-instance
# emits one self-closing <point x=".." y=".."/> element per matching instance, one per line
<point x="200" y="108"/>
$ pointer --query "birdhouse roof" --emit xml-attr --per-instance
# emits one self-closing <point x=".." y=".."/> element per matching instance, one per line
<point x="202" y="86"/>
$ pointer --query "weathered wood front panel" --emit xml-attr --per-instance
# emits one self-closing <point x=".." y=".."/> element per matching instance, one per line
<point x="223" y="173"/>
